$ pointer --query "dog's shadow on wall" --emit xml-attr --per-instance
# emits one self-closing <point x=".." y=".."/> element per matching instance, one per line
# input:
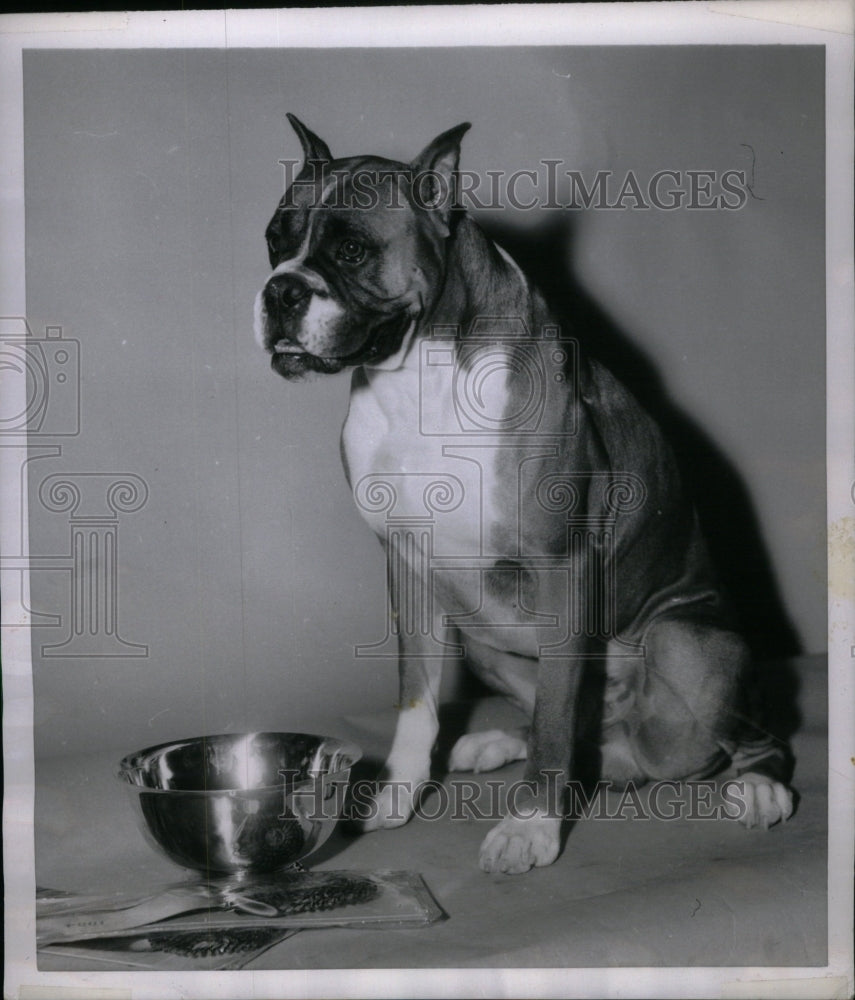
<point x="725" y="507"/>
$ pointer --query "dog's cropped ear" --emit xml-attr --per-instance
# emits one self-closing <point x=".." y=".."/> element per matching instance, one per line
<point x="314" y="149"/>
<point x="433" y="173"/>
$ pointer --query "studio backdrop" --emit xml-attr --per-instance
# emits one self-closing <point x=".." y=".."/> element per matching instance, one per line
<point x="198" y="564"/>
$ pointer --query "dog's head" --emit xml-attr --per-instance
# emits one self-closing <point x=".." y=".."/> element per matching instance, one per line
<point x="357" y="248"/>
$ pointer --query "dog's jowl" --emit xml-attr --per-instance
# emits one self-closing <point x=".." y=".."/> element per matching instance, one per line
<point x="533" y="518"/>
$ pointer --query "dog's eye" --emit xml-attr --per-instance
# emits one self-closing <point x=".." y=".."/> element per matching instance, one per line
<point x="352" y="252"/>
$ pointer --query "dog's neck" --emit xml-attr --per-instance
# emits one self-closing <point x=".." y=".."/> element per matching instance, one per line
<point x="480" y="280"/>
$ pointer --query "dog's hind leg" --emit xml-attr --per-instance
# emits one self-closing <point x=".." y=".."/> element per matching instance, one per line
<point x="487" y="750"/>
<point x="692" y="714"/>
<point x="513" y="676"/>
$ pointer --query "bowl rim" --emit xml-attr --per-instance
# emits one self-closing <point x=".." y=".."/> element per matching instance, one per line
<point x="127" y="768"/>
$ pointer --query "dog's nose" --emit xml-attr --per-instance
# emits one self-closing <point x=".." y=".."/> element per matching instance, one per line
<point x="287" y="290"/>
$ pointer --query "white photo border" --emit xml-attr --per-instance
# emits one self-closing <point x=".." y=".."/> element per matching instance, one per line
<point x="827" y="23"/>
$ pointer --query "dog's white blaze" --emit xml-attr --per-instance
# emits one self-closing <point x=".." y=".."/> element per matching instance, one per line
<point x="293" y="265"/>
<point x="295" y="262"/>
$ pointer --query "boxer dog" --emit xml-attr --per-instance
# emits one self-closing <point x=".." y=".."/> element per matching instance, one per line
<point x="532" y="513"/>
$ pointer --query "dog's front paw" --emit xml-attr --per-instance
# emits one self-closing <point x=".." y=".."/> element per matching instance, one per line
<point x="764" y="802"/>
<point x="517" y="844"/>
<point x="391" y="804"/>
<point x="486" y="751"/>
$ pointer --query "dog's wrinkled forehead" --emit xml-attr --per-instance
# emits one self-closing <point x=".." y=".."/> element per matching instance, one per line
<point x="342" y="197"/>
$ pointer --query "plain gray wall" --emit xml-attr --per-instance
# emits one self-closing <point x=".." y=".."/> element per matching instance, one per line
<point x="150" y="176"/>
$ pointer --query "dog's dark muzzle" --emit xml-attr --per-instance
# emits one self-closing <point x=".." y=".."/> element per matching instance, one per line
<point x="286" y="298"/>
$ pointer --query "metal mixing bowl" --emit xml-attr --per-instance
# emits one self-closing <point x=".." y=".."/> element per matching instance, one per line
<point x="240" y="803"/>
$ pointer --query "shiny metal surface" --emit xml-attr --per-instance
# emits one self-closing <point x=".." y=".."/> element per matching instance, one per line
<point x="234" y="803"/>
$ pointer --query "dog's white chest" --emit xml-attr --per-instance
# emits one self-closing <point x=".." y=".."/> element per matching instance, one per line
<point x="439" y="495"/>
<point x="409" y="460"/>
